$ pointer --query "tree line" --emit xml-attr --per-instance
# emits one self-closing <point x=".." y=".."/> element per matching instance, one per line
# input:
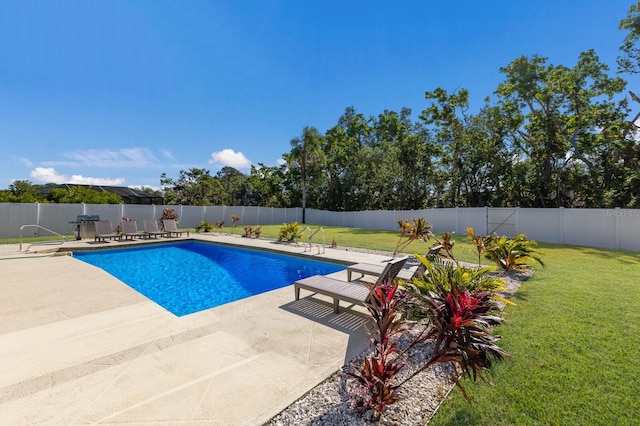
<point x="22" y="191"/>
<point x="554" y="136"/>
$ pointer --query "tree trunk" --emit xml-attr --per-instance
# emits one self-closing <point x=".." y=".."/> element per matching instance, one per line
<point x="304" y="201"/>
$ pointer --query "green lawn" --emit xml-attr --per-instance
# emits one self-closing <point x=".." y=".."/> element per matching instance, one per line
<point x="372" y="239"/>
<point x="574" y="334"/>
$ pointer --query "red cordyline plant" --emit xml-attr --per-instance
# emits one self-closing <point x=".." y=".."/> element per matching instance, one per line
<point x="458" y="300"/>
<point x="169" y="214"/>
<point x="461" y="327"/>
<point x="374" y="388"/>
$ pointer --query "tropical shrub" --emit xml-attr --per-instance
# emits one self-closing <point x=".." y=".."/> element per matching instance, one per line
<point x="444" y="271"/>
<point x="419" y="230"/>
<point x="220" y="224"/>
<point x="453" y="304"/>
<point x="449" y="274"/>
<point x="374" y="387"/>
<point x="457" y="302"/>
<point x="234" y="220"/>
<point x="481" y="242"/>
<point x="251" y="231"/>
<point x="462" y="329"/>
<point x="204" y="226"/>
<point x="514" y="254"/>
<point x="169" y="214"/>
<point x="446" y="245"/>
<point x="289" y="232"/>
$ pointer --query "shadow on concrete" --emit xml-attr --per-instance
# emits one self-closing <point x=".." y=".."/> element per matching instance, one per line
<point x="348" y="321"/>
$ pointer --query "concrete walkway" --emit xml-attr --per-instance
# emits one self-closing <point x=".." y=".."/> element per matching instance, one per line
<point x="78" y="346"/>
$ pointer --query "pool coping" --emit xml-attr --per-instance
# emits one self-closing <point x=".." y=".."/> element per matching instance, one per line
<point x="290" y="249"/>
<point x="82" y="347"/>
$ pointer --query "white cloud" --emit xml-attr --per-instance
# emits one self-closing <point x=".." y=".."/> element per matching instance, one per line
<point x="25" y="161"/>
<point x="167" y="154"/>
<point x="228" y="157"/>
<point x="60" y="163"/>
<point x="281" y="161"/>
<point x="79" y="179"/>
<point x="47" y="175"/>
<point x="50" y="175"/>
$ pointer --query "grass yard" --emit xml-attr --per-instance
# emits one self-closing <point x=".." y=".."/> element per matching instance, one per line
<point x="373" y="239"/>
<point x="574" y="334"/>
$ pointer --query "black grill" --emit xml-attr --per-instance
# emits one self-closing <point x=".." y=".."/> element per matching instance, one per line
<point x="82" y="218"/>
<point x="84" y="225"/>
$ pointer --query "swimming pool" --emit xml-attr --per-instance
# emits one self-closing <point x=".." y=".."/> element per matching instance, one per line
<point x="189" y="277"/>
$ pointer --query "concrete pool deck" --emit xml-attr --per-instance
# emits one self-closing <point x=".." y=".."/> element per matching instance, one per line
<point x="78" y="346"/>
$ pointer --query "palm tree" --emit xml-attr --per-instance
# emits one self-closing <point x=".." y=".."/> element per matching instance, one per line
<point x="306" y="151"/>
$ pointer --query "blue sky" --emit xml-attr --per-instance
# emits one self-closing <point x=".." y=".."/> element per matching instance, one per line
<point x="119" y="92"/>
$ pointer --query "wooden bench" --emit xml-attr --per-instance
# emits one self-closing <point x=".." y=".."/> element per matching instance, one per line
<point x="352" y="292"/>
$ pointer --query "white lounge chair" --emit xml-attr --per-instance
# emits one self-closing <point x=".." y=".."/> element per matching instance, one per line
<point x="171" y="228"/>
<point x="152" y="230"/>
<point x="374" y="270"/>
<point x="104" y="231"/>
<point x="130" y="230"/>
<point x="353" y="292"/>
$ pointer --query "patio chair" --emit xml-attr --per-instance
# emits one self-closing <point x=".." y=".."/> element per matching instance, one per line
<point x="104" y="231"/>
<point x="375" y="270"/>
<point x="171" y="228"/>
<point x="130" y="230"/>
<point x="152" y="230"/>
<point x="355" y="292"/>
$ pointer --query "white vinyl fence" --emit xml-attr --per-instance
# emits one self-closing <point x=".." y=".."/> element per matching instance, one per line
<point x="604" y="228"/>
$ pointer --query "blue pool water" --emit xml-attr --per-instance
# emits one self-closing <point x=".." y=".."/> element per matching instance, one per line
<point x="189" y="277"/>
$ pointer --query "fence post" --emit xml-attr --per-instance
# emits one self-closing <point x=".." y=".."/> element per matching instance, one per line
<point x="38" y="217"/>
<point x="561" y="212"/>
<point x="616" y="228"/>
<point x="486" y="220"/>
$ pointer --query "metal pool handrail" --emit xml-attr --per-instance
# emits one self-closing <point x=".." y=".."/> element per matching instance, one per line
<point x="53" y="242"/>
<point x="323" y="240"/>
